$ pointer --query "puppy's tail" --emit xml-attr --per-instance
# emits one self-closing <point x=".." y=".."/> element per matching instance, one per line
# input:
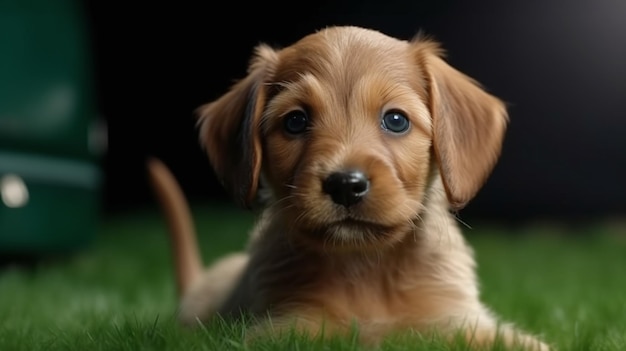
<point x="185" y="252"/>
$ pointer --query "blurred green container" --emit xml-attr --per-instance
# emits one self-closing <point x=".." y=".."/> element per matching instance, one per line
<point x="50" y="137"/>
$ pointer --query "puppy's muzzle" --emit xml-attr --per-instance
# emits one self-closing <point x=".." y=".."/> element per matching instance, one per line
<point x="346" y="188"/>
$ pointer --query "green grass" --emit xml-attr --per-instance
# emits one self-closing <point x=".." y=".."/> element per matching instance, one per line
<point x="119" y="295"/>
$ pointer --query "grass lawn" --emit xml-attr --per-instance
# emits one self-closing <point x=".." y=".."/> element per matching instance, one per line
<point x="119" y="295"/>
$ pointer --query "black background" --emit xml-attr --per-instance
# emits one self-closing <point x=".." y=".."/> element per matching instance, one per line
<point x="560" y="65"/>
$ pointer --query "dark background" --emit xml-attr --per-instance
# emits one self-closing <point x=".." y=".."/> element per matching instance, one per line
<point x="561" y="66"/>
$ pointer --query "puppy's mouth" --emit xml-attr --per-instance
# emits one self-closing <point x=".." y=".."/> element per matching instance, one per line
<point x="357" y="224"/>
<point x="351" y="233"/>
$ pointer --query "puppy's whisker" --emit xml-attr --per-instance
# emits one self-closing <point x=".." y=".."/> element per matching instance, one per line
<point x="458" y="219"/>
<point x="279" y="204"/>
<point x="303" y="214"/>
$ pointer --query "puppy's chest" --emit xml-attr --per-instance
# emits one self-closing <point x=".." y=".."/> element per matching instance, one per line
<point x="388" y="288"/>
<point x="366" y="294"/>
<point x="369" y="298"/>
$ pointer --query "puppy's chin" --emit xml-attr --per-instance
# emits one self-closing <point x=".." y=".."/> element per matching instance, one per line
<point x="350" y="235"/>
<point x="377" y="223"/>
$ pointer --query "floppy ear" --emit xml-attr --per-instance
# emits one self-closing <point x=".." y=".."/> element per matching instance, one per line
<point x="230" y="130"/>
<point x="468" y="127"/>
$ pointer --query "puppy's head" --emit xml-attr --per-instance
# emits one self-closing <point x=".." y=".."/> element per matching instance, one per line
<point x="347" y="126"/>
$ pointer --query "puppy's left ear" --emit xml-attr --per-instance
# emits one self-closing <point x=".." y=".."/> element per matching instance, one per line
<point x="468" y="126"/>
<point x="230" y="129"/>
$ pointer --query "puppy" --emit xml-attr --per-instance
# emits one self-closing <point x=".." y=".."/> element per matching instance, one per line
<point x="364" y="143"/>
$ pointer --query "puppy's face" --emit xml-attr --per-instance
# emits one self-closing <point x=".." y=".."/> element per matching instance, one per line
<point x="347" y="138"/>
<point x="346" y="126"/>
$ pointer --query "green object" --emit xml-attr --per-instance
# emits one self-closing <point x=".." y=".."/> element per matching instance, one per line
<point x="50" y="139"/>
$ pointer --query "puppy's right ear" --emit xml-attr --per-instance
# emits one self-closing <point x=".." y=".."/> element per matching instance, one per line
<point x="230" y="128"/>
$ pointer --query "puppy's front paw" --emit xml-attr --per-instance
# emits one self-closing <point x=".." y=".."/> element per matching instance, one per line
<point x="508" y="336"/>
<point x="279" y="327"/>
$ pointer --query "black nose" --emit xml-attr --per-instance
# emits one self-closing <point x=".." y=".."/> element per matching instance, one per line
<point x="346" y="188"/>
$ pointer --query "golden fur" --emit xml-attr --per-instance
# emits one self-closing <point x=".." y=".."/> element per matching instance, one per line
<point x="394" y="261"/>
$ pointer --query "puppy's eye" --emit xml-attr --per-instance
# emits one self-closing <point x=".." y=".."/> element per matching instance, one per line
<point x="395" y="122"/>
<point x="296" y="122"/>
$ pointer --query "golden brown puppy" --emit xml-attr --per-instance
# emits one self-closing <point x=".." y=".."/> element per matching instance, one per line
<point x="364" y="142"/>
